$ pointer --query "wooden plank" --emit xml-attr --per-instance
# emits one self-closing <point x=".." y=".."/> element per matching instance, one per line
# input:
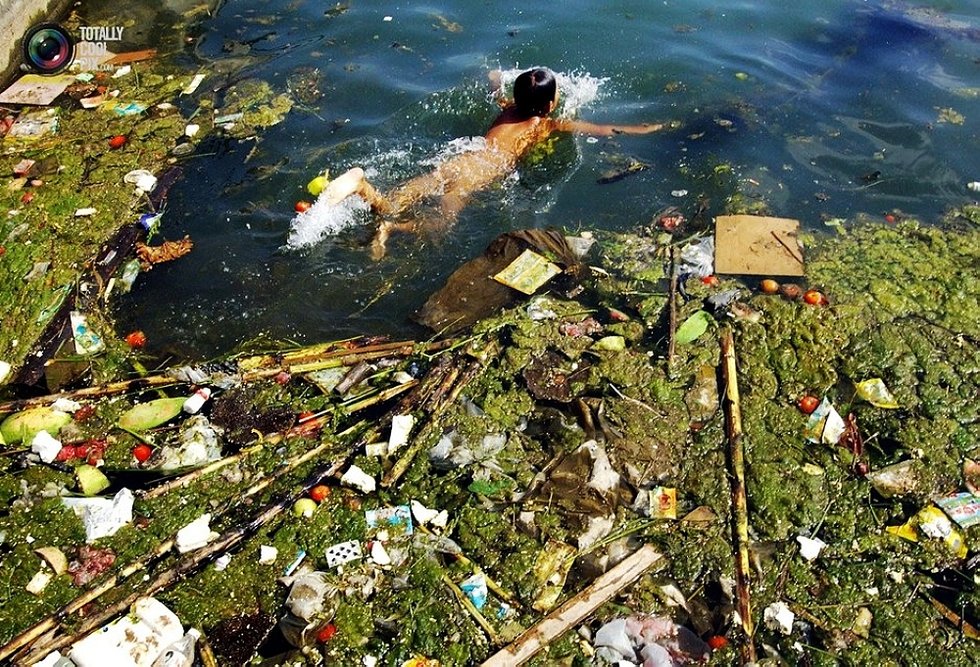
<point x="575" y="610"/>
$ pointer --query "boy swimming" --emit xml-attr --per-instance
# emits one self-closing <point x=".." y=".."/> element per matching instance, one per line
<point x="522" y="124"/>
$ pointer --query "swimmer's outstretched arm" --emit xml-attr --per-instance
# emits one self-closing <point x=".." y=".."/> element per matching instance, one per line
<point x="602" y="130"/>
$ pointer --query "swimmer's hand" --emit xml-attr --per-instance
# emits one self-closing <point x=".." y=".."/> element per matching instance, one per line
<point x="645" y="128"/>
<point x="497" y="88"/>
<point x="494" y="78"/>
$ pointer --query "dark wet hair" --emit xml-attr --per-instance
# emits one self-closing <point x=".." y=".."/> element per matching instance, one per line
<point x="534" y="91"/>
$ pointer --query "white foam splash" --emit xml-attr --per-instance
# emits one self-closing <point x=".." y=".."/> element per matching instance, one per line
<point x="577" y="90"/>
<point x="324" y="219"/>
<point x="456" y="147"/>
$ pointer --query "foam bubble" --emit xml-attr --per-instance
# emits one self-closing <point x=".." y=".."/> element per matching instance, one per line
<point x="324" y="219"/>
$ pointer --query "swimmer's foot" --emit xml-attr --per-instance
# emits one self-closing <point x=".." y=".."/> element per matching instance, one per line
<point x="379" y="241"/>
<point x="344" y="185"/>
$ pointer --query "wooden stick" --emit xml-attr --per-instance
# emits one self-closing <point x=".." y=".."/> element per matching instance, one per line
<point x="471" y="608"/>
<point x="575" y="610"/>
<point x="304" y="361"/>
<point x="740" y="511"/>
<point x="672" y="305"/>
<point x="109" y="389"/>
<point x="954" y="618"/>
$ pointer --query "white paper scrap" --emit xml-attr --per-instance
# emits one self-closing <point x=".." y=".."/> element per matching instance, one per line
<point x="358" y="479"/>
<point x="102" y="517"/>
<point x="45" y="446"/>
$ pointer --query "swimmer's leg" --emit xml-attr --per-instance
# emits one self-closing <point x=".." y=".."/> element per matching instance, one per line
<point x="352" y="182"/>
<point x="430" y="225"/>
<point x="385" y="228"/>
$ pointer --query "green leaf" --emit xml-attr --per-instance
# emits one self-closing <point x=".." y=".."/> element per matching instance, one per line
<point x="693" y="327"/>
<point x="149" y="415"/>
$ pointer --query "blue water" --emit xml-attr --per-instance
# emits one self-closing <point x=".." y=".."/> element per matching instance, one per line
<point x="804" y="100"/>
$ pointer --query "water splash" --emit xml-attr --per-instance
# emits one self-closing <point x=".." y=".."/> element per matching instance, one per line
<point x="577" y="90"/>
<point x="324" y="219"/>
<point x="456" y="147"/>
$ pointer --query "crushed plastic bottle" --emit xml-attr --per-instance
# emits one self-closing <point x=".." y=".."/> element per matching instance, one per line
<point x="127" y="277"/>
<point x="181" y="652"/>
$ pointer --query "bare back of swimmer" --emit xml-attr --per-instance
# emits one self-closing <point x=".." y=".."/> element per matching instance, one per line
<point x="521" y="125"/>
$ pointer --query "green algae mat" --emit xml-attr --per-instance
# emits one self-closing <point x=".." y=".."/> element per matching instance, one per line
<point x="540" y="448"/>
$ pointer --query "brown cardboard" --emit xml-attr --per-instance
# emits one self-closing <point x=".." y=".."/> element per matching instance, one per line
<point x="36" y="89"/>
<point x="758" y="245"/>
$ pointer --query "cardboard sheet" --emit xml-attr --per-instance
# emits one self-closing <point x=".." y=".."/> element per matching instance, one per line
<point x="757" y="245"/>
<point x="36" y="89"/>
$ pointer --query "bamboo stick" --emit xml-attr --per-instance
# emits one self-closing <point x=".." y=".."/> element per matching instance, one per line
<point x="443" y="395"/>
<point x="416" y="400"/>
<point x="275" y="438"/>
<point x="575" y="610"/>
<point x="187" y="478"/>
<point x="740" y="512"/>
<point x="672" y="307"/>
<point x="297" y="363"/>
<point x="471" y="608"/>
<point x="98" y="391"/>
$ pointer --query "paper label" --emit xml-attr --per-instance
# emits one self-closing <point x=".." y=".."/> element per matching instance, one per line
<point x="528" y="272"/>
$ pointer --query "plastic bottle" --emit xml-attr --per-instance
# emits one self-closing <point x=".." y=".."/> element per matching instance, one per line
<point x="180" y="653"/>
<point x="196" y="401"/>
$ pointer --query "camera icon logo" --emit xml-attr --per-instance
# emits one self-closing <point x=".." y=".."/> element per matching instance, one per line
<point x="48" y="48"/>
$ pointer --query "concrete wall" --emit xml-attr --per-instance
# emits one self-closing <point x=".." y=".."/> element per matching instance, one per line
<point x="16" y="16"/>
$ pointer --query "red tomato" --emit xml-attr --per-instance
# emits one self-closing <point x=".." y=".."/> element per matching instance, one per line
<point x="717" y="642"/>
<point x="282" y="377"/>
<point x="710" y="281"/>
<point x="302" y="206"/>
<point x="142" y="452"/>
<point x="814" y="297"/>
<point x="118" y="141"/>
<point x="3" y="251"/>
<point x="84" y="412"/>
<point x="319" y="492"/>
<point x="66" y="454"/>
<point x="807" y="404"/>
<point x="136" y="339"/>
<point x="890" y="219"/>
<point x="326" y="633"/>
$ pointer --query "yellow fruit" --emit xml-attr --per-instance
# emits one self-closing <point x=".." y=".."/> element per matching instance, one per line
<point x="315" y="187"/>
